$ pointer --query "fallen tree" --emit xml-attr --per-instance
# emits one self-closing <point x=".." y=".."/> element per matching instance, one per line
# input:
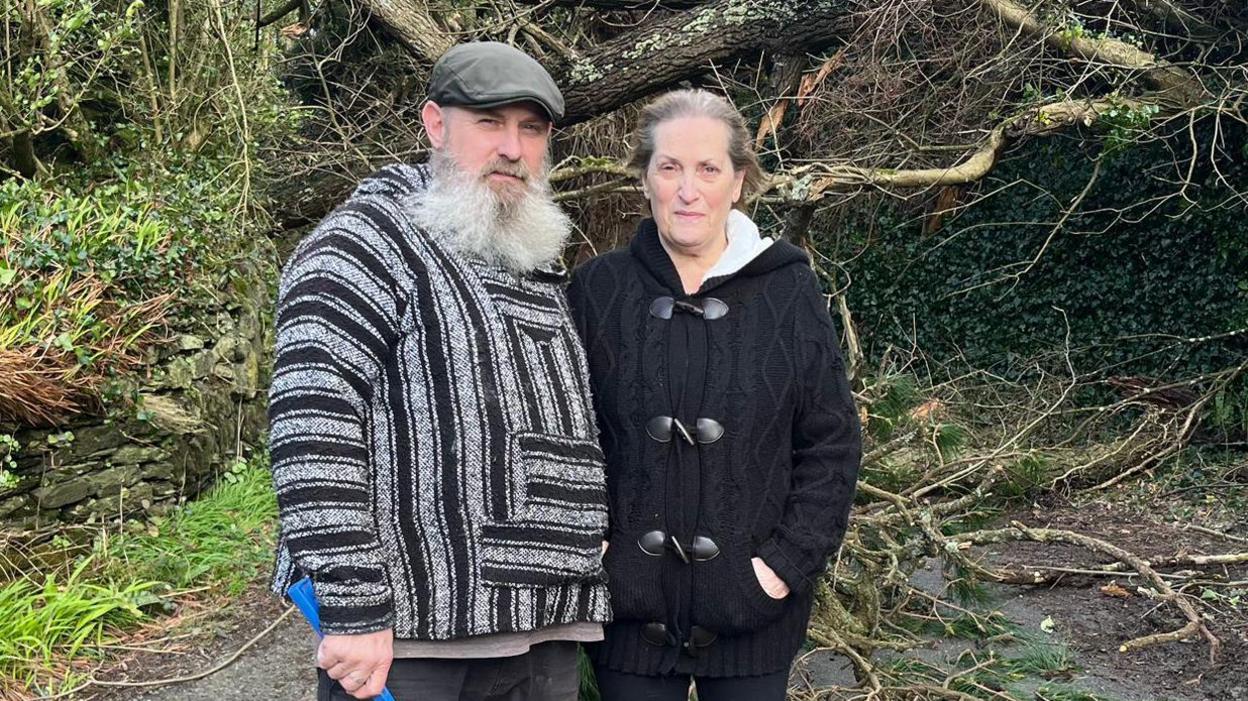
<point x="942" y="116"/>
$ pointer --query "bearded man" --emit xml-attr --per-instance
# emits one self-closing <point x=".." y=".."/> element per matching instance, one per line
<point x="432" y="437"/>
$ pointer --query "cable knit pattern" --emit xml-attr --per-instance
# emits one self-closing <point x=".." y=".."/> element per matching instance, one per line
<point x="777" y="485"/>
<point x="432" y="436"/>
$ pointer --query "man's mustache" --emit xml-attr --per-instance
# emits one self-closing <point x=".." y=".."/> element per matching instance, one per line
<point x="503" y="166"/>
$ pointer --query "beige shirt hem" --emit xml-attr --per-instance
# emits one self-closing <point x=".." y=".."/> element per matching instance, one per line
<point x="497" y="644"/>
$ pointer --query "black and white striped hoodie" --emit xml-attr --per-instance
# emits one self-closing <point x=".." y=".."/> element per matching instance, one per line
<point x="432" y="435"/>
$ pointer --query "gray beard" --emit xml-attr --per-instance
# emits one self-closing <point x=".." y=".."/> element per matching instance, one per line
<point x="466" y="215"/>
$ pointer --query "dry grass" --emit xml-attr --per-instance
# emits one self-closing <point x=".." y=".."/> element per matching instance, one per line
<point x="69" y="320"/>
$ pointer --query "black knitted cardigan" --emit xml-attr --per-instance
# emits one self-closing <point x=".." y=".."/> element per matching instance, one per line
<point x="729" y="429"/>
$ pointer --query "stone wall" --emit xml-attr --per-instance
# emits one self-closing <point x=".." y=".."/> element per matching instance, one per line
<point x="198" y="403"/>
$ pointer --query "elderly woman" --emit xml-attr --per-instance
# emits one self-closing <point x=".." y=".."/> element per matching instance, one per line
<point x="731" y="438"/>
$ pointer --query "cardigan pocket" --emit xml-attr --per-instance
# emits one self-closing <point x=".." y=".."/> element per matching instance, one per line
<point x="727" y="597"/>
<point x="635" y="581"/>
<point x="554" y="534"/>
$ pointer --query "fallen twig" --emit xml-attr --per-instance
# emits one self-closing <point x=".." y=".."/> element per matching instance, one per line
<point x="1020" y="531"/>
<point x="200" y="675"/>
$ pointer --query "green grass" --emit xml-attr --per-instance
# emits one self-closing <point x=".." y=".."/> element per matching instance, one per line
<point x="949" y="439"/>
<point x="225" y="539"/>
<point x="985" y="515"/>
<point x="589" y="684"/>
<point x="50" y="624"/>
<point x="891" y="475"/>
<point x="1043" y="660"/>
<point x="1019" y="672"/>
<point x="42" y="623"/>
<point x="80" y="261"/>
<point x="994" y="678"/>
<point x="992" y="625"/>
<point x="964" y="587"/>
<point x="914" y="670"/>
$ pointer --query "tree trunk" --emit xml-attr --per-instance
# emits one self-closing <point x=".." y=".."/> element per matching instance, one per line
<point x="24" y="158"/>
<point x="621" y="5"/>
<point x="409" y="21"/>
<point x="664" y="51"/>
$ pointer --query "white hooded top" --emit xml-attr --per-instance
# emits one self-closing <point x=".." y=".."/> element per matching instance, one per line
<point x="744" y="244"/>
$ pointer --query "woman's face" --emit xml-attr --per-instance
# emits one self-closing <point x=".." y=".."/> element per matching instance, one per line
<point x="691" y="183"/>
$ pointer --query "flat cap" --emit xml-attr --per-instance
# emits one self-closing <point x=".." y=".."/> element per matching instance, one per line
<point x="489" y="74"/>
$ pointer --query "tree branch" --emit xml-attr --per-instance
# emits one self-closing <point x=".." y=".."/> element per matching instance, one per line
<point x="409" y="21"/>
<point x="1176" y="16"/>
<point x="1195" y="624"/>
<point x="812" y="182"/>
<point x="666" y="50"/>
<point x="618" y="5"/>
<point x="1170" y="82"/>
<point x="280" y="12"/>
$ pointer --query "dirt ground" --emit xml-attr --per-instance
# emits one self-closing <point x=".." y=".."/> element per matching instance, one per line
<point x="1077" y="614"/>
<point x="1074" y="612"/>
<point x="1095" y="622"/>
<point x="277" y="666"/>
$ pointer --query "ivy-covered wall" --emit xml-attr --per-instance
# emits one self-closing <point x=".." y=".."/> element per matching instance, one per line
<point x="1131" y="272"/>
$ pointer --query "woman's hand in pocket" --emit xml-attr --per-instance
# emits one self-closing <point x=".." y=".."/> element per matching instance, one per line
<point x="769" y="580"/>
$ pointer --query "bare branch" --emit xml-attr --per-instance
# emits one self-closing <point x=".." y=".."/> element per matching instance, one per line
<point x="1195" y="624"/>
<point x="1172" y="84"/>
<point x="1176" y="16"/>
<point x="814" y="181"/>
<point x="286" y="8"/>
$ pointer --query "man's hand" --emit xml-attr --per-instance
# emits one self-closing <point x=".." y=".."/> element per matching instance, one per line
<point x="360" y="663"/>
<point x="769" y="580"/>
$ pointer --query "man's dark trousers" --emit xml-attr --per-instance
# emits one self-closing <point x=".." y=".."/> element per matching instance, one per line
<point x="547" y="672"/>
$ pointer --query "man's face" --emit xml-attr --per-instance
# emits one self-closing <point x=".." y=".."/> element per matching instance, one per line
<point x="504" y="146"/>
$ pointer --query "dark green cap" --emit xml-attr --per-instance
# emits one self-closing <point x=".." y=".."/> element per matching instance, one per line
<point x="489" y="74"/>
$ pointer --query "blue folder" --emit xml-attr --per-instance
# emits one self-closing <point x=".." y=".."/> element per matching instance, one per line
<point x="304" y="597"/>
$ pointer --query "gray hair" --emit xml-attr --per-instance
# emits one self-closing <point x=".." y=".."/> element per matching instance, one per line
<point x="697" y="103"/>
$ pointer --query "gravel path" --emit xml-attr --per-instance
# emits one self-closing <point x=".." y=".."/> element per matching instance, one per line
<point x="277" y="668"/>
